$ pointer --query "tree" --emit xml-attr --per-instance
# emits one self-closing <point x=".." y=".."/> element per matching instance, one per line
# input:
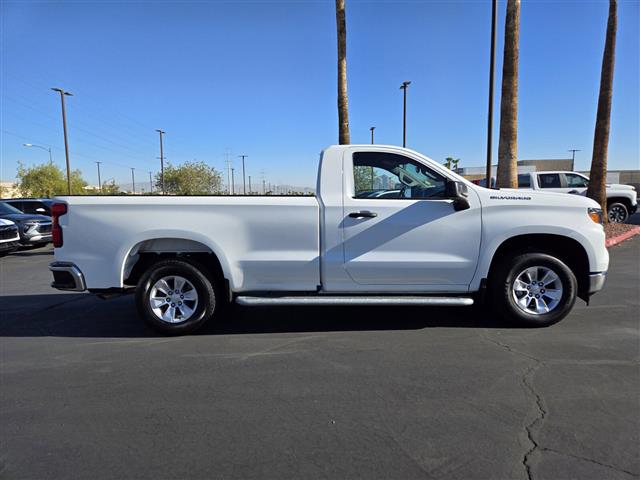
<point x="508" y="144"/>
<point x="190" y="178"/>
<point x="108" y="188"/>
<point x="598" y="175"/>
<point x="344" y="137"/>
<point x="451" y="163"/>
<point x="48" y="180"/>
<point x="363" y="177"/>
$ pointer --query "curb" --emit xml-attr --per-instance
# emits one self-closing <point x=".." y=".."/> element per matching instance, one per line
<point x="622" y="237"/>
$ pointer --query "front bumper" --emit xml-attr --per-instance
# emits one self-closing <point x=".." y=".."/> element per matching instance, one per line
<point x="10" y="245"/>
<point x="66" y="276"/>
<point x="596" y="282"/>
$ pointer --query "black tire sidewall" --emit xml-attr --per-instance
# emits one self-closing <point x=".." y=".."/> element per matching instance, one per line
<point x="623" y="206"/>
<point x="509" y="272"/>
<point x="192" y="272"/>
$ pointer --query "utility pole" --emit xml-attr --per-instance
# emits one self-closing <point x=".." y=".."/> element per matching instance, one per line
<point x="161" y="160"/>
<point x="244" y="185"/>
<point x="150" y="183"/>
<point x="573" y="157"/>
<point x="404" y="87"/>
<point x="233" y="182"/>
<point x="133" y="180"/>
<point x="228" y="163"/>
<point x="372" y="129"/>
<point x="99" y="182"/>
<point x="249" y="184"/>
<point x="492" y="67"/>
<point x="64" y="126"/>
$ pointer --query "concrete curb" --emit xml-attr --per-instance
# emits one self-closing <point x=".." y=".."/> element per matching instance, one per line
<point x="622" y="237"/>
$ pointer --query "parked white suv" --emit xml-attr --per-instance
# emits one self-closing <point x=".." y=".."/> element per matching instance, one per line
<point x="621" y="199"/>
<point x="431" y="238"/>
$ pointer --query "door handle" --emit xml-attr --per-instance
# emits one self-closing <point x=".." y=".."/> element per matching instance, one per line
<point x="363" y="214"/>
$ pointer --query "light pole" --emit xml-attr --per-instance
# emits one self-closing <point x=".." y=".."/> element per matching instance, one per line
<point x="573" y="156"/>
<point x="249" y="184"/>
<point x="64" y="127"/>
<point x="150" y="183"/>
<point x="492" y="67"/>
<point x="133" y="180"/>
<point x="244" y="185"/>
<point x="161" y="160"/>
<point x="99" y="182"/>
<point x="40" y="146"/>
<point x="404" y="87"/>
<point x="372" y="129"/>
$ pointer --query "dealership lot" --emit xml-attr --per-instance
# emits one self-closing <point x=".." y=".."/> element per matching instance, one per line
<point x="88" y="392"/>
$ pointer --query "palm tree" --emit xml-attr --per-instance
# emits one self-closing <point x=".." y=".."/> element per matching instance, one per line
<point x="508" y="146"/>
<point x="343" y="102"/>
<point x="597" y="178"/>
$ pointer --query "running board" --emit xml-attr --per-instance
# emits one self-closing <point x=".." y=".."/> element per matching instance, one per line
<point x="355" y="300"/>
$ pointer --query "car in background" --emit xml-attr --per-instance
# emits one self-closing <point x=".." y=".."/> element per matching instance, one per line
<point x="35" y="206"/>
<point x="34" y="230"/>
<point x="9" y="237"/>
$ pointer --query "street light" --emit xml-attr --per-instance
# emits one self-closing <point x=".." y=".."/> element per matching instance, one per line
<point x="404" y="87"/>
<point x="161" y="160"/>
<point x="372" y="129"/>
<point x="573" y="156"/>
<point x="492" y="68"/>
<point x="40" y="146"/>
<point x="64" y="126"/>
<point x="133" y="179"/>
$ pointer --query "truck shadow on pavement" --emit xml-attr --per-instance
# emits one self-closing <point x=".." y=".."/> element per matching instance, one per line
<point x="82" y="315"/>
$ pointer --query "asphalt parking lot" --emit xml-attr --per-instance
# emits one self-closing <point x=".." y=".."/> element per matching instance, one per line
<point x="88" y="392"/>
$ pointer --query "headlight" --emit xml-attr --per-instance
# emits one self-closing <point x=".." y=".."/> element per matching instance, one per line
<point x="595" y="214"/>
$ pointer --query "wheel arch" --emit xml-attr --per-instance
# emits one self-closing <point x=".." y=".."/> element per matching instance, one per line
<point x="145" y="252"/>
<point x="569" y="250"/>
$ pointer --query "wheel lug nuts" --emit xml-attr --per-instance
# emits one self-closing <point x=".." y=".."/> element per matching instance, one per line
<point x="540" y="284"/>
<point x="173" y="304"/>
<point x="181" y="297"/>
<point x="537" y="296"/>
<point x="542" y="291"/>
<point x="170" y="292"/>
<point x="179" y="303"/>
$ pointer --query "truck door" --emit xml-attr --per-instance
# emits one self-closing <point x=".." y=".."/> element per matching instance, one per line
<point x="399" y="230"/>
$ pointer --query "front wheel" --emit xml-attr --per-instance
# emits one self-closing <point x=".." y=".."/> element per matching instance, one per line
<point x="175" y="297"/>
<point x="533" y="289"/>
<point x="618" y="212"/>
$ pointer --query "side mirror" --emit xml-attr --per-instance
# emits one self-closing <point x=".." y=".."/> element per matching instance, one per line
<point x="458" y="192"/>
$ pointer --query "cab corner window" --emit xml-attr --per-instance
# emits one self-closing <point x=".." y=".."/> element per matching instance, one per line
<point x="379" y="175"/>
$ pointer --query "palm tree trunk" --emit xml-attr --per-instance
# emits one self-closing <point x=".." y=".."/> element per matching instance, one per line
<point x="508" y="146"/>
<point x="597" y="178"/>
<point x="343" y="102"/>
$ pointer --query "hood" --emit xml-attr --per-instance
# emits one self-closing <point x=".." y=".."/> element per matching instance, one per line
<point x="619" y="186"/>
<point x="538" y="197"/>
<point x="26" y="217"/>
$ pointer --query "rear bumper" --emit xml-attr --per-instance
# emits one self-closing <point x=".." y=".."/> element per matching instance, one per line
<point x="66" y="276"/>
<point x="596" y="282"/>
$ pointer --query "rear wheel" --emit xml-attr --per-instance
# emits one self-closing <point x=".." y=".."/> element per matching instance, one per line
<point x="533" y="289"/>
<point x="618" y="212"/>
<point x="175" y="297"/>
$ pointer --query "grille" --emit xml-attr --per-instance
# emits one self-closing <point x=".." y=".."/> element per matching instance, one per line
<point x="44" y="228"/>
<point x="8" y="232"/>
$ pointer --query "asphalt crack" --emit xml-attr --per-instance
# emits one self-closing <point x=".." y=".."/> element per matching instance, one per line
<point x="527" y="382"/>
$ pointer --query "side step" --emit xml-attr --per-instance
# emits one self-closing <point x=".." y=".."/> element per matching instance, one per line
<point x="355" y="300"/>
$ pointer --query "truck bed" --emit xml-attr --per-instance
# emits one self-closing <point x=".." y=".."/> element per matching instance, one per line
<point x="266" y="242"/>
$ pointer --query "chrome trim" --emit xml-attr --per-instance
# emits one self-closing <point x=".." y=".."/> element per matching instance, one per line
<point x="78" y="278"/>
<point x="596" y="282"/>
<point x="354" y="300"/>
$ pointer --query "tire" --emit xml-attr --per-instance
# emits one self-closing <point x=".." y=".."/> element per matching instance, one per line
<point x="617" y="212"/>
<point x="513" y="293"/>
<point x="176" y="312"/>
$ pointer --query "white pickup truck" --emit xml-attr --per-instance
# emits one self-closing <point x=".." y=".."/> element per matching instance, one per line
<point x="388" y="226"/>
<point x="622" y="200"/>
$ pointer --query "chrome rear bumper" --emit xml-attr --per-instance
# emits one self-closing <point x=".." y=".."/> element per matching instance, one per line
<point x="66" y="276"/>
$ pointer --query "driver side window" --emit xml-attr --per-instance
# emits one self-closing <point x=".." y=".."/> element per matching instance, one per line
<point x="388" y="175"/>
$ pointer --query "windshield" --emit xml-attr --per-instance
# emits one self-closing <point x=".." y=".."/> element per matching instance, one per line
<point x="6" y="209"/>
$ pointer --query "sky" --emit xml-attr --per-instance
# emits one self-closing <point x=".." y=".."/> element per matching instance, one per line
<point x="259" y="78"/>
